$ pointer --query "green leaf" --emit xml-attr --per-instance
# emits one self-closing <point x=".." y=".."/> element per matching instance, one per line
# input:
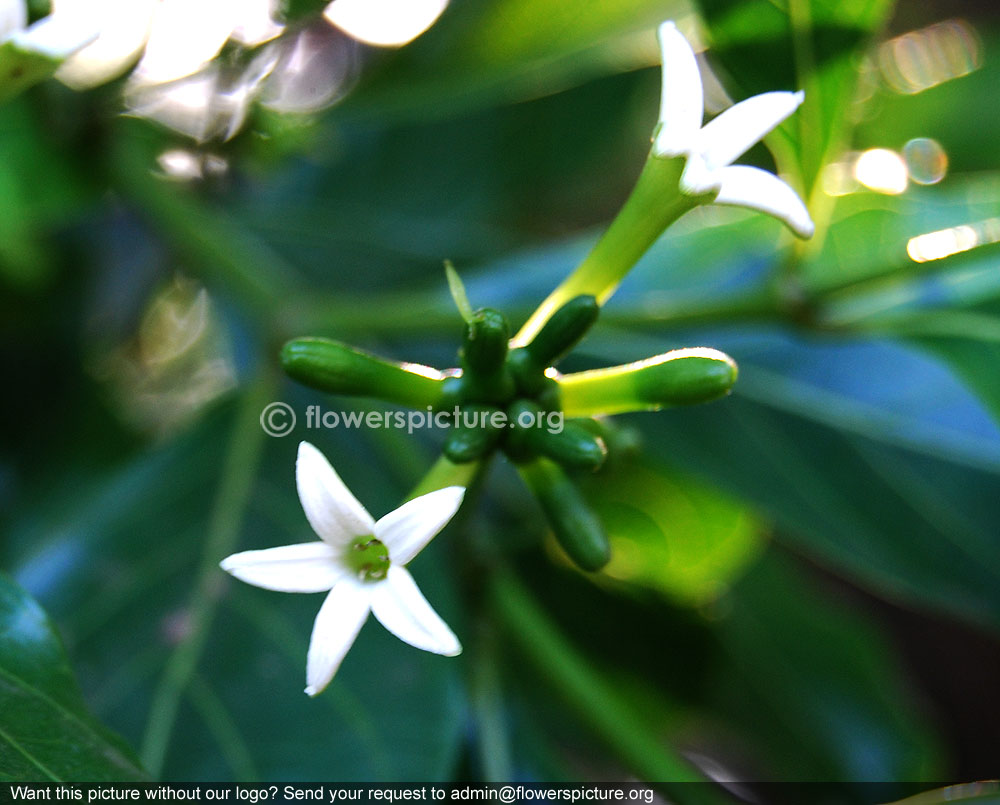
<point x="911" y="523"/>
<point x="822" y="677"/>
<point x="672" y="534"/>
<point x="46" y="731"/>
<point x="39" y="191"/>
<point x="974" y="359"/>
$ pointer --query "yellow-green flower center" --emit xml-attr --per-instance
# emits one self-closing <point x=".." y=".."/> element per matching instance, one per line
<point x="368" y="558"/>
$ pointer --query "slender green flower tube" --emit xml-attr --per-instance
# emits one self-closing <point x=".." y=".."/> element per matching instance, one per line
<point x="655" y="203"/>
<point x="678" y="377"/>
<point x="337" y="368"/>
<point x="576" y="527"/>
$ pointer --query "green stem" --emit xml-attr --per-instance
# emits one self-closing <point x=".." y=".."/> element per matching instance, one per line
<point x="495" y="761"/>
<point x="648" y="211"/>
<point x="445" y="473"/>
<point x="238" y="474"/>
<point x="597" y="702"/>
<point x="221" y="725"/>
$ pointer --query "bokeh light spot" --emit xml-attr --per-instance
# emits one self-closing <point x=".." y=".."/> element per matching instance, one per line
<point x="881" y="170"/>
<point x="926" y="160"/>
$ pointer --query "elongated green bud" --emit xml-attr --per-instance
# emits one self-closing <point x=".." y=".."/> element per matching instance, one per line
<point x="484" y="353"/>
<point x="341" y="369"/>
<point x="575" y="526"/>
<point x="533" y="431"/>
<point x="561" y="332"/>
<point x="680" y="377"/>
<point x="574" y="446"/>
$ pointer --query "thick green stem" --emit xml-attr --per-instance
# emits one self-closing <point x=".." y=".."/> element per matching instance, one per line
<point x="654" y="204"/>
<point x="596" y="702"/>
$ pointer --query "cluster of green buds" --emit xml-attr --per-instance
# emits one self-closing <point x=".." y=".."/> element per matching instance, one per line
<point x="512" y="399"/>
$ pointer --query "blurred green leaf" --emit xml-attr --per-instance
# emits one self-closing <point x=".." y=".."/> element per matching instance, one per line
<point x="672" y="534"/>
<point x="975" y="360"/>
<point x="913" y="524"/>
<point x="824" y="680"/>
<point x="20" y="69"/>
<point x="46" y="731"/>
<point x="38" y="191"/>
<point x="501" y="51"/>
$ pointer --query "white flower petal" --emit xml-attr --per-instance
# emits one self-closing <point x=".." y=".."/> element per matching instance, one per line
<point x="697" y="178"/>
<point x="409" y="528"/>
<point x="13" y="16"/>
<point x="402" y="609"/>
<point x="337" y="625"/>
<point x="333" y="512"/>
<point x="757" y="189"/>
<point x="56" y="36"/>
<point x="681" y="95"/>
<point x="730" y="134"/>
<point x="185" y="35"/>
<point x="311" y="567"/>
<point x="123" y="25"/>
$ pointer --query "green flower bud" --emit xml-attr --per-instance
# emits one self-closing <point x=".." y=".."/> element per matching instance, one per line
<point x="473" y="435"/>
<point x="485" y="345"/>
<point x="341" y="369"/>
<point x="561" y="332"/>
<point x="535" y="431"/>
<point x="528" y="376"/>
<point x="679" y="377"/>
<point x="575" y="526"/>
<point x="574" y="446"/>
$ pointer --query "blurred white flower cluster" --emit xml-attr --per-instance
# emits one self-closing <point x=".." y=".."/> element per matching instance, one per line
<point x="197" y="66"/>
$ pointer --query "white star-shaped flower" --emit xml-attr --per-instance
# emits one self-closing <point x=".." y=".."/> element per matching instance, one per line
<point x="709" y="150"/>
<point x="360" y="561"/>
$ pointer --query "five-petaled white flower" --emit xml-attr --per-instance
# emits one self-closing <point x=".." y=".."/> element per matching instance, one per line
<point x="359" y="561"/>
<point x="709" y="150"/>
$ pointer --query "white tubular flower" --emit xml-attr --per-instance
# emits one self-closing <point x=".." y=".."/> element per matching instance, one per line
<point x="360" y="561"/>
<point x="709" y="150"/>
